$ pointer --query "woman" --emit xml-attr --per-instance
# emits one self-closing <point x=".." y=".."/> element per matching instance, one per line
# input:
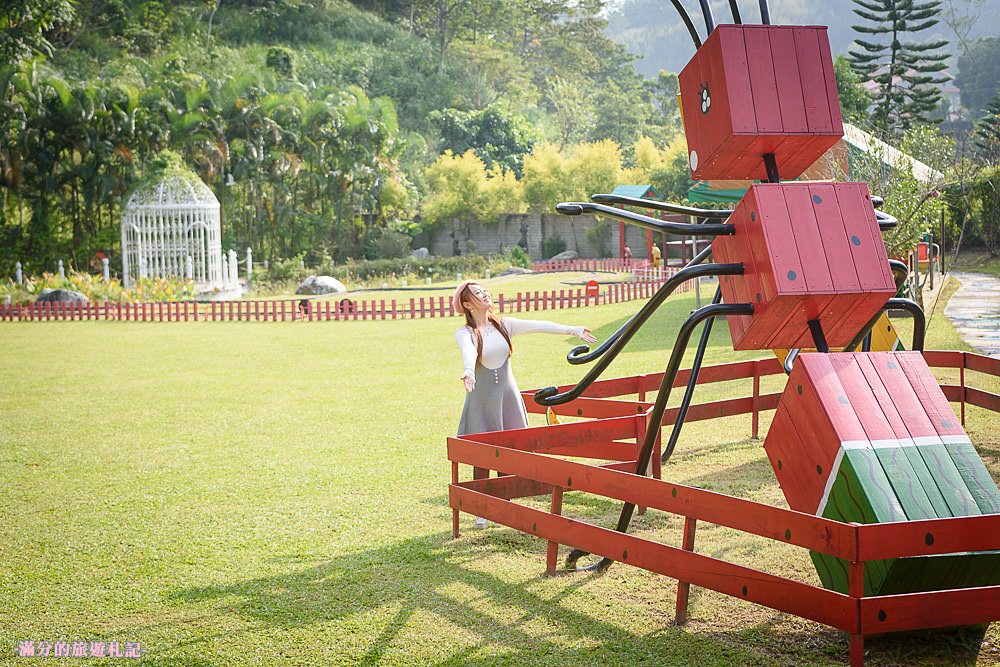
<point x="492" y="400"/>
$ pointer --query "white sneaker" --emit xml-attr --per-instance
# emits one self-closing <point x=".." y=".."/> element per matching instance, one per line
<point x="481" y="523"/>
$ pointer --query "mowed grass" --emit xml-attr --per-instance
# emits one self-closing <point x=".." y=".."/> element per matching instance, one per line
<point x="244" y="493"/>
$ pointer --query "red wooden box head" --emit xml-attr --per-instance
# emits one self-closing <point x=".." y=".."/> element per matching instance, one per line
<point x="751" y="90"/>
<point x="810" y="251"/>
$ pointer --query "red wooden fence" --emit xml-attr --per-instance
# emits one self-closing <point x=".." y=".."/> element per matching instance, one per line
<point x="316" y="310"/>
<point x="529" y="459"/>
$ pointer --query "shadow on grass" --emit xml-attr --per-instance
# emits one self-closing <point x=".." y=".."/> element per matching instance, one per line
<point x="419" y="575"/>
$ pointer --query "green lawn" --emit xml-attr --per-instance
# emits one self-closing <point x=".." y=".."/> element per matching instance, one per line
<point x="233" y="493"/>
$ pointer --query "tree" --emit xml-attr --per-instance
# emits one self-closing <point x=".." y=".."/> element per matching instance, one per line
<point x="905" y="71"/>
<point x="854" y="99"/>
<point x="986" y="201"/>
<point x="912" y="196"/>
<point x="986" y="136"/>
<point x="23" y="24"/>
<point x="978" y="76"/>
<point x="497" y="136"/>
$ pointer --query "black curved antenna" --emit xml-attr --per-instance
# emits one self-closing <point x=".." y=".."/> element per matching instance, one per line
<point x="688" y="23"/>
<point x="706" y="10"/>
<point x="735" y="9"/>
<point x="765" y="13"/>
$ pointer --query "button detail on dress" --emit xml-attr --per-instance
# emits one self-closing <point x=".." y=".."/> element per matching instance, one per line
<point x="496" y="375"/>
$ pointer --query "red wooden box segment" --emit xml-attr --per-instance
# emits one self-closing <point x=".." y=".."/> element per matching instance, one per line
<point x="810" y="251"/>
<point x="751" y="90"/>
<point x="871" y="438"/>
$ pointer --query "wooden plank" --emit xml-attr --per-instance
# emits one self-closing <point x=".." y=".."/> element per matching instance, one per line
<point x="812" y="80"/>
<point x="830" y="81"/>
<point x="745" y="583"/>
<point x="971" y="468"/>
<point x="786" y="77"/>
<point x="796" y="528"/>
<point x="905" y="483"/>
<point x="931" y="449"/>
<point x="739" y="96"/>
<point x="542" y="438"/>
<point x="784" y="447"/>
<point x="919" y="467"/>
<point x="766" y="104"/>
<point x="983" y="399"/>
<point x="508" y="487"/>
<point x="947" y="535"/>
<point x="936" y="609"/>
<point x="982" y="363"/>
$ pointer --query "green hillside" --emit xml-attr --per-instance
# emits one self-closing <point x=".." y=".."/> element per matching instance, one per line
<point x="312" y="120"/>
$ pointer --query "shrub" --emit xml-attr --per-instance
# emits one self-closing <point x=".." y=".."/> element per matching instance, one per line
<point x="552" y="246"/>
<point x="393" y="244"/>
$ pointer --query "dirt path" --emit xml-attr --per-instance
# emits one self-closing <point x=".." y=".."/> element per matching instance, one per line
<point x="975" y="311"/>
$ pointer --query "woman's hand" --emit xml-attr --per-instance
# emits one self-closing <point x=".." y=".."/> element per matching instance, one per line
<point x="586" y="336"/>
<point x="470" y="383"/>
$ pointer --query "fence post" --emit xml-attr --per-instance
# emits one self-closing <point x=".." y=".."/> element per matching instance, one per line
<point x="961" y="381"/>
<point x="755" y="420"/>
<point x="552" y="554"/>
<point x="683" y="587"/>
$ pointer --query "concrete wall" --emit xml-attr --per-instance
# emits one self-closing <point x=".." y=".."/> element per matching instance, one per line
<point x="529" y="230"/>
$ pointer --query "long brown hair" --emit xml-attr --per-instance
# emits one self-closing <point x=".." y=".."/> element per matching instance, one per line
<point x="491" y="316"/>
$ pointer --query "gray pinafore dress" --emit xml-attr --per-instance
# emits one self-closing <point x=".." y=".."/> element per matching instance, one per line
<point x="495" y="404"/>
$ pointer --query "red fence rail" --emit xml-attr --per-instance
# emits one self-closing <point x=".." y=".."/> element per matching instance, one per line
<point x="322" y="310"/>
<point x="528" y="459"/>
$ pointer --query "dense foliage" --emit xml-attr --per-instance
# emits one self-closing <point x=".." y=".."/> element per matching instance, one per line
<point x="312" y="120"/>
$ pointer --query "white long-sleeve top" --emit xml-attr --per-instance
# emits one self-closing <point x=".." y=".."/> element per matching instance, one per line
<point x="495" y="350"/>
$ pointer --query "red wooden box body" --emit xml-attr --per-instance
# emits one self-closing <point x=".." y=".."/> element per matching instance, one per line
<point x="770" y="89"/>
<point x="810" y="251"/>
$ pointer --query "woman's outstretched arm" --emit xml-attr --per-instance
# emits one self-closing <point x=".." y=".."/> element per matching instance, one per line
<point x="517" y="327"/>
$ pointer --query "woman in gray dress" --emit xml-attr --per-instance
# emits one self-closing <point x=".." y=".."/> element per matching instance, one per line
<point x="492" y="399"/>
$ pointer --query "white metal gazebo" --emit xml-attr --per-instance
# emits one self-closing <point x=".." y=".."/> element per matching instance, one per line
<point x="167" y="222"/>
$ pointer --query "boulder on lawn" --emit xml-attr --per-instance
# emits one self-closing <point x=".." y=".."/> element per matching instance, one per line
<point x="514" y="271"/>
<point x="564" y="255"/>
<point x="421" y="253"/>
<point x="61" y="296"/>
<point x="321" y="285"/>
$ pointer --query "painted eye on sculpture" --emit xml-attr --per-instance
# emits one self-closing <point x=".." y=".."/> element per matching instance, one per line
<point x="706" y="98"/>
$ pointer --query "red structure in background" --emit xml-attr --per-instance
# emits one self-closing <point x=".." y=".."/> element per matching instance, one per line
<point x="754" y="90"/>
<point x="615" y="413"/>
<point x="800" y="265"/>
<point x="811" y="252"/>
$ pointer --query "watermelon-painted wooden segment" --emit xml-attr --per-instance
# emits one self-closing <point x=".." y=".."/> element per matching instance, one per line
<point x="810" y="252"/>
<point x="895" y="452"/>
<point x="751" y="90"/>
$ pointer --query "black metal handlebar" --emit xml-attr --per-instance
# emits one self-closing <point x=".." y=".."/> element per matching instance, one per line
<point x="679" y="228"/>
<point x="551" y="395"/>
<point x="661" y="206"/>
